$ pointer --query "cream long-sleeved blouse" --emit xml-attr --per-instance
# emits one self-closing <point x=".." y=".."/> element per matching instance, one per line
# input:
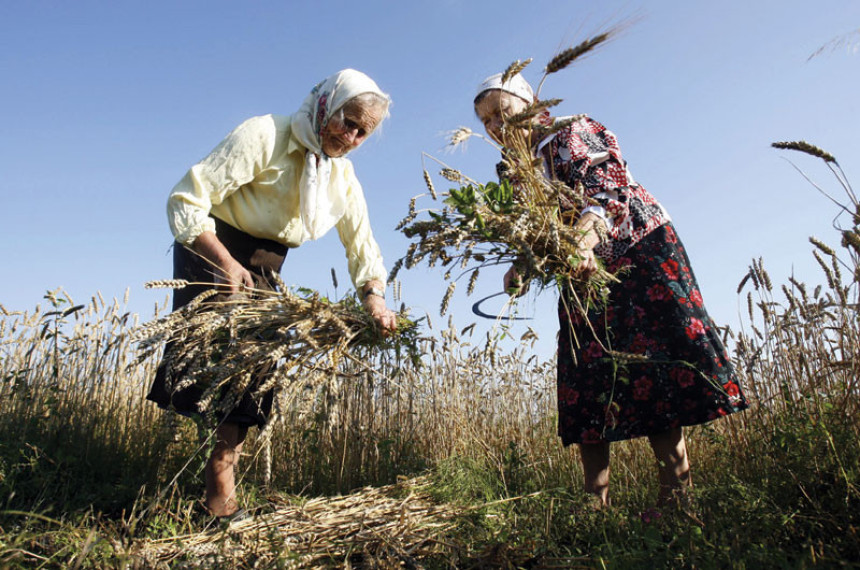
<point x="251" y="181"/>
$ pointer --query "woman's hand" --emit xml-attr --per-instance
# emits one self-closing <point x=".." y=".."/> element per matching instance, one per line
<point x="591" y="227"/>
<point x="384" y="317"/>
<point x="374" y="303"/>
<point x="234" y="275"/>
<point x="229" y="271"/>
<point x="514" y="284"/>
<point x="587" y="265"/>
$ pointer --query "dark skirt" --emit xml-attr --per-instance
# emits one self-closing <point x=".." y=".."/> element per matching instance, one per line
<point x="655" y="312"/>
<point x="259" y="256"/>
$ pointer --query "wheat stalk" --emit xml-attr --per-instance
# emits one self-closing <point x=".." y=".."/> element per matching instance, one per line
<point x="515" y="68"/>
<point x="805" y="147"/>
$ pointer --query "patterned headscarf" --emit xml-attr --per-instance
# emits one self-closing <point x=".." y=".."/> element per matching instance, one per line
<point x="322" y="188"/>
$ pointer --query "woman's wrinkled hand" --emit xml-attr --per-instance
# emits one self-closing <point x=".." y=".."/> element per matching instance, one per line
<point x="514" y="284"/>
<point x="235" y="276"/>
<point x="591" y="228"/>
<point x="587" y="265"/>
<point x="231" y="273"/>
<point x="384" y="317"/>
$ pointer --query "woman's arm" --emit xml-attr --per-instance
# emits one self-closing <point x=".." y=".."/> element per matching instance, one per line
<point x="229" y="271"/>
<point x="364" y="258"/>
<point x="235" y="162"/>
<point x="591" y="228"/>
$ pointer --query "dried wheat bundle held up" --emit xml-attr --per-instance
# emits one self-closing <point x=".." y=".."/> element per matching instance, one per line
<point x="526" y="219"/>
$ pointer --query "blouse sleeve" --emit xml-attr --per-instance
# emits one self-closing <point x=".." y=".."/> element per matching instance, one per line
<point x="236" y="161"/>
<point x="364" y="258"/>
<point x="590" y="154"/>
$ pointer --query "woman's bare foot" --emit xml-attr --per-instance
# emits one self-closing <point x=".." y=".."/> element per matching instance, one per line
<point x="221" y="507"/>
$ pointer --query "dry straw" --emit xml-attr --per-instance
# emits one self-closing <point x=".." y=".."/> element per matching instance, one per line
<point x="374" y="524"/>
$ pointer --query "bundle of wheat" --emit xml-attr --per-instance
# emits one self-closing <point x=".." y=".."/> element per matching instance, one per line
<point x="397" y="523"/>
<point x="526" y="219"/>
<point x="220" y="345"/>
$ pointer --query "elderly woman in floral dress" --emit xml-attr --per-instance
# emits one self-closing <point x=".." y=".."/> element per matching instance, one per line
<point x="656" y="310"/>
<point x="272" y="184"/>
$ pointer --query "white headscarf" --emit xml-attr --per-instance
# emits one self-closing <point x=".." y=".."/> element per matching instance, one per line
<point x="322" y="189"/>
<point x="516" y="85"/>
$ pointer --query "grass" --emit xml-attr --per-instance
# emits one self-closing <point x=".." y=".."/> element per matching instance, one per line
<point x="451" y="464"/>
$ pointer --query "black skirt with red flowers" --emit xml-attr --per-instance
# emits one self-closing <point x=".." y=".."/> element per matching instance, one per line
<point x="655" y="312"/>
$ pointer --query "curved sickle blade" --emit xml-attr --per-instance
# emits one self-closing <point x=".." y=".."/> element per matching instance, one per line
<point x="476" y="309"/>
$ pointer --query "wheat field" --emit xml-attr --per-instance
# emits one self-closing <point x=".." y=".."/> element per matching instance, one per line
<point x="447" y="464"/>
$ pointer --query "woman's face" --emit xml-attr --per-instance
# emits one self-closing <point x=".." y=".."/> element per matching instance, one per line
<point x="494" y="107"/>
<point x="349" y="127"/>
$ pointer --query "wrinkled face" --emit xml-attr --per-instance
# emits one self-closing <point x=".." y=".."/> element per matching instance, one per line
<point x="349" y="127"/>
<point x="494" y="107"/>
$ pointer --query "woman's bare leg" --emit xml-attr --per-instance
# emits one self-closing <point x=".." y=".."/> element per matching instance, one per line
<point x="595" y="469"/>
<point x="221" y="467"/>
<point x="673" y="466"/>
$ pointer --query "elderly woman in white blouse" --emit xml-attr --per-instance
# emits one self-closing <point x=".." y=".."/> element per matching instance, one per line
<point x="274" y="183"/>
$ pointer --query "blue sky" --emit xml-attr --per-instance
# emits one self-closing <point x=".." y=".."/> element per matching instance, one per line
<point x="105" y="105"/>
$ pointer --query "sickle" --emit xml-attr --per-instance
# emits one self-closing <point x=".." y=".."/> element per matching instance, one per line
<point x="476" y="309"/>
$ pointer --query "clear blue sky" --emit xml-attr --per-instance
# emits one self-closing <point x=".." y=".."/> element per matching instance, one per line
<point x="105" y="105"/>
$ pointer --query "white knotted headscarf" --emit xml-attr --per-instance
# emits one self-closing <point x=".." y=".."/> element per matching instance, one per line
<point x="516" y="85"/>
<point x="322" y="189"/>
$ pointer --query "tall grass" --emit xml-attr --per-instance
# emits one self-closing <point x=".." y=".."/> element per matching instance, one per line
<point x="97" y="467"/>
<point x="73" y="415"/>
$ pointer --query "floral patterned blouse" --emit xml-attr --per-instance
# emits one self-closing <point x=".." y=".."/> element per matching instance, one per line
<point x="588" y="153"/>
